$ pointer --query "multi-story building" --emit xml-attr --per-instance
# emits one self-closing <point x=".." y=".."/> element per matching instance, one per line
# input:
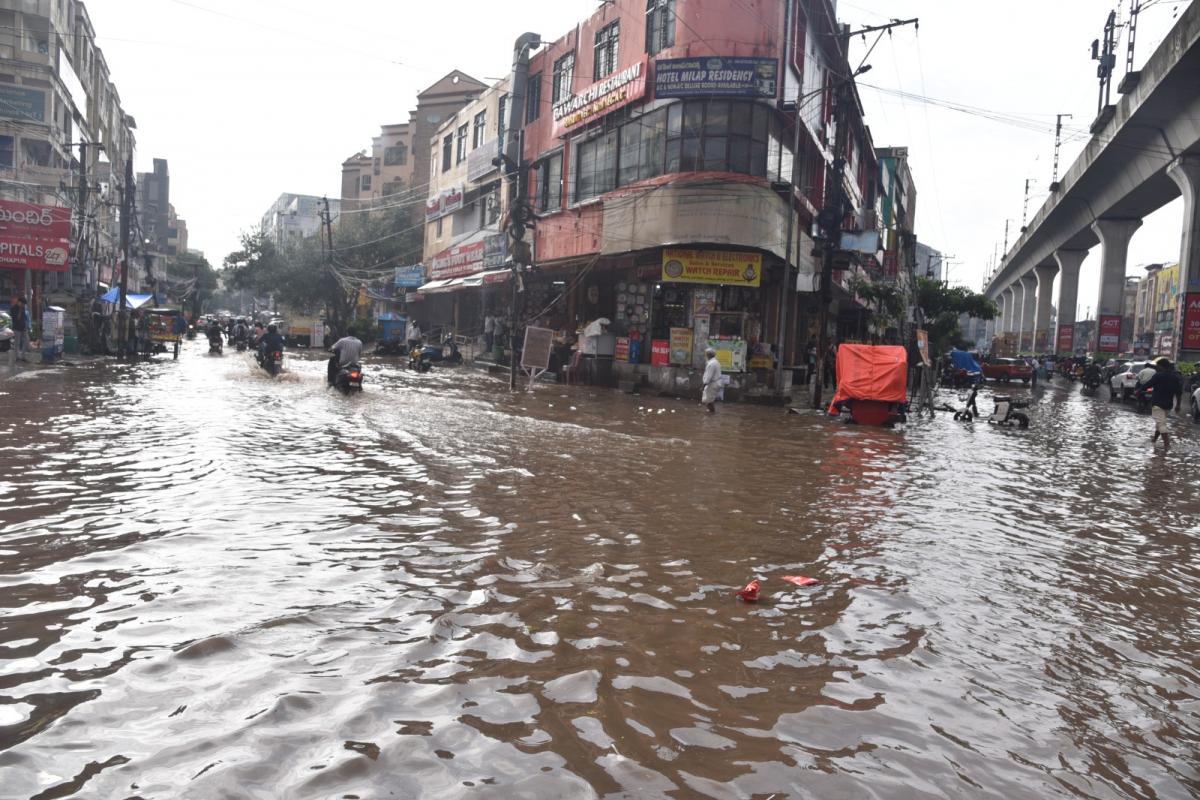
<point x="465" y="202"/>
<point x="1129" y="312"/>
<point x="56" y="95"/>
<point x="154" y="205"/>
<point x="399" y="159"/>
<point x="930" y="262"/>
<point x="295" y="217"/>
<point x="177" y="234"/>
<point x="667" y="182"/>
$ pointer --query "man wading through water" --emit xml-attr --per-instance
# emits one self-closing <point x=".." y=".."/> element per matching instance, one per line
<point x="712" y="381"/>
<point x="1167" y="391"/>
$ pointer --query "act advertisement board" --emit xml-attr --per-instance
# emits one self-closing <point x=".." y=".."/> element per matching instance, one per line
<point x="1066" y="339"/>
<point x="712" y="266"/>
<point x="1110" y="333"/>
<point x="725" y="76"/>
<point x="34" y="237"/>
<point x="1191" y="321"/>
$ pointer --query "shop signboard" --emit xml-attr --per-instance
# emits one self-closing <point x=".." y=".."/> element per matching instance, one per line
<point x="712" y="266"/>
<point x="20" y="102"/>
<point x="731" y="354"/>
<point x="1066" y="338"/>
<point x="1110" y="333"/>
<point x="615" y="91"/>
<point x="495" y="250"/>
<point x="455" y="262"/>
<point x="1040" y="341"/>
<point x="447" y="202"/>
<point x="1166" y="343"/>
<point x="536" y="352"/>
<point x="660" y="353"/>
<point x="479" y="160"/>
<point x="681" y="346"/>
<point x="410" y="277"/>
<point x="622" y="351"/>
<point x="1191" y="321"/>
<point x="725" y="76"/>
<point x="704" y="301"/>
<point x="34" y="237"/>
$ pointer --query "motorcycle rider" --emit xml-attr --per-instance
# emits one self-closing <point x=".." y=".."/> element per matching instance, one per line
<point x="214" y="333"/>
<point x="271" y="342"/>
<point x="346" y="351"/>
<point x="1091" y="374"/>
<point x="240" y="331"/>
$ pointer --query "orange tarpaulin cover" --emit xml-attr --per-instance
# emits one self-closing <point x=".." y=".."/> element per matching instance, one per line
<point x="871" y="372"/>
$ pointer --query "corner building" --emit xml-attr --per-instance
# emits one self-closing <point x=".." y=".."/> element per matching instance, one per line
<point x="661" y="137"/>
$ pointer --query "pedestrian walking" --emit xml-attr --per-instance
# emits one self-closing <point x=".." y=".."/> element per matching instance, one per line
<point x="1166" y="388"/>
<point x="20" y="326"/>
<point x="712" y="381"/>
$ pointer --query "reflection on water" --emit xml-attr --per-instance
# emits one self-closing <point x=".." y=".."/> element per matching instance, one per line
<point x="212" y="584"/>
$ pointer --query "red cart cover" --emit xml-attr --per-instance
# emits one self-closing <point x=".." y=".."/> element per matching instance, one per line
<point x="871" y="372"/>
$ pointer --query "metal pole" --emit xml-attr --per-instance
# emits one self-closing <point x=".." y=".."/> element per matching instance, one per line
<point x="126" y="222"/>
<point x="784" y="295"/>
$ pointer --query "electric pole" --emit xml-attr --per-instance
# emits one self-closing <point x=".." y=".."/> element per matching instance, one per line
<point x="1103" y="52"/>
<point x="127" y="189"/>
<point x="1025" y="210"/>
<point x="1006" y="235"/>
<point x="1057" y="147"/>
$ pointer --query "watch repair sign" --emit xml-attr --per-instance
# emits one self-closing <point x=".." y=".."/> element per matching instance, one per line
<point x="34" y="237"/>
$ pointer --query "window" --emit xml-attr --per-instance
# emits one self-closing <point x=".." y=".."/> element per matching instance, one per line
<point x="660" y="25"/>
<point x="564" y="74"/>
<point x="438" y="227"/>
<point x="365" y="183"/>
<point x="395" y="156"/>
<point x="549" y="184"/>
<point x="533" y="101"/>
<point x="596" y="166"/>
<point x="606" y="50"/>
<point x="447" y="152"/>
<point x="6" y="152"/>
<point x="393" y="187"/>
<point x="480" y="129"/>
<point x="461" y="154"/>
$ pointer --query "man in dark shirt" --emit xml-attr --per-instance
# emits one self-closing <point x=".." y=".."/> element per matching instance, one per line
<point x="1167" y="389"/>
<point x="271" y="342"/>
<point x="20" y="326"/>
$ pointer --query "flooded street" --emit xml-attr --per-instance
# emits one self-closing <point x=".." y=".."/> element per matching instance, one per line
<point x="214" y="585"/>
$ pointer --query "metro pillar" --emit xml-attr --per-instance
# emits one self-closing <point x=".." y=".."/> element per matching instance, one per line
<point x="1114" y="249"/>
<point x="1069" y="262"/>
<point x="1044" y="274"/>
<point x="1185" y="171"/>
<point x="1028" y="310"/>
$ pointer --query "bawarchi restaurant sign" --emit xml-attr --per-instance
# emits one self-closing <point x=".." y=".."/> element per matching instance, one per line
<point x="447" y="202"/>
<point x="34" y="237"/>
<point x="615" y="91"/>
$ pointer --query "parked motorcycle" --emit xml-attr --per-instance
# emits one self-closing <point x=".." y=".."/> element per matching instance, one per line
<point x="348" y="379"/>
<point x="1006" y="412"/>
<point x="970" y="411"/>
<point x="272" y="362"/>
<point x="7" y="335"/>
<point x="422" y="357"/>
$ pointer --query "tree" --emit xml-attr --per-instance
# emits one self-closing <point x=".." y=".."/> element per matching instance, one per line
<point x="942" y="304"/>
<point x="196" y="278"/>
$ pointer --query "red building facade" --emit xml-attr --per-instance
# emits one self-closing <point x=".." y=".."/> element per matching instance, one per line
<point x="660" y="135"/>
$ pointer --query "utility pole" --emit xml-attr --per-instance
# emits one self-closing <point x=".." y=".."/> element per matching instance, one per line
<point x="327" y="246"/>
<point x="1057" y="147"/>
<point x="1006" y="235"/>
<point x="1104" y="54"/>
<point x="1025" y="210"/>
<point x="127" y="190"/>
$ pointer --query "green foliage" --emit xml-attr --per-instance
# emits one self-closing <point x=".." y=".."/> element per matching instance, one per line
<point x="885" y="299"/>
<point x="183" y="270"/>
<point x="941" y="305"/>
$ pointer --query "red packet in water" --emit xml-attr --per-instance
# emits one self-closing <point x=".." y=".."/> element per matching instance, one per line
<point x="750" y="593"/>
<point x="800" y="580"/>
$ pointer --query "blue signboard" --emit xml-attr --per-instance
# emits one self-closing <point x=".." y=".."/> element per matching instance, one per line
<point x="710" y="76"/>
<point x="410" y="277"/>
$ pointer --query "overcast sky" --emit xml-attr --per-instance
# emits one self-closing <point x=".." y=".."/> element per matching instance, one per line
<point x="251" y="98"/>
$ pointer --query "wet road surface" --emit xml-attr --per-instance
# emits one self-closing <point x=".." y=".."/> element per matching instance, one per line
<point x="215" y="585"/>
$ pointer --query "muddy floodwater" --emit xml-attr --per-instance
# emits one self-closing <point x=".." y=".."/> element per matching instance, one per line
<point x="215" y="585"/>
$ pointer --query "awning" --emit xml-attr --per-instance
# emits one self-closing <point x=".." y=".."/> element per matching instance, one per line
<point x="131" y="300"/>
<point x="437" y="286"/>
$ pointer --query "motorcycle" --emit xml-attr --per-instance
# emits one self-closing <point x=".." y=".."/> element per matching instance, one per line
<point x="191" y="332"/>
<point x="422" y="357"/>
<point x="215" y="346"/>
<point x="970" y="411"/>
<point x="7" y="335"/>
<point x="1006" y="412"/>
<point x="241" y="345"/>
<point x="1142" y="399"/>
<point x="349" y="379"/>
<point x="1196" y="405"/>
<point x="272" y="362"/>
<point x="1091" y="384"/>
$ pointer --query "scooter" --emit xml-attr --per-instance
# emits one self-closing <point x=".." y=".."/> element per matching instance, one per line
<point x="1006" y="413"/>
<point x="241" y="345"/>
<point x="7" y="335"/>
<point x="349" y="379"/>
<point x="970" y="411"/>
<point x="272" y="362"/>
<point x="423" y="356"/>
<point x="1091" y="384"/>
<point x="215" y="346"/>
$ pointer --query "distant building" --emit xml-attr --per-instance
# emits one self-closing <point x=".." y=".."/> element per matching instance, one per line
<point x="177" y="233"/>
<point x="295" y="217"/>
<point x="930" y="262"/>
<point x="154" y="205"/>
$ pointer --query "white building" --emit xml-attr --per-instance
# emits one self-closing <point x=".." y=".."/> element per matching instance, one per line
<point x="295" y="217"/>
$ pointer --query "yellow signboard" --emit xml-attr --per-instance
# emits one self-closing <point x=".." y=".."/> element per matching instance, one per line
<point x="712" y="266"/>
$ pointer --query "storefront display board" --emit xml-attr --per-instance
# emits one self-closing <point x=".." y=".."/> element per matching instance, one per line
<point x="731" y="353"/>
<point x="681" y="346"/>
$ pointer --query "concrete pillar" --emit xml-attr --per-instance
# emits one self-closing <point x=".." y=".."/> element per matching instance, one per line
<point x="1028" y="310"/>
<point x="1012" y="316"/>
<point x="1185" y="171"/>
<point x="1069" y="262"/>
<point x="1044" y="275"/>
<point x="1114" y="248"/>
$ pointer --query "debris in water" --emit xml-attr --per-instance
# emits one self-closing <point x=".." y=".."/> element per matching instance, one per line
<point x="750" y="593"/>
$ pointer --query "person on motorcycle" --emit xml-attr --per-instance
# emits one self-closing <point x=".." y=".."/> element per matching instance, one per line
<point x="271" y="342"/>
<point x="1091" y="374"/>
<point x="240" y="331"/>
<point x="214" y="332"/>
<point x="346" y="351"/>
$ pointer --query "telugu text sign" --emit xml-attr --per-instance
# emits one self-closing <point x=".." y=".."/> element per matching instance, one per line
<point x="717" y="75"/>
<point x="712" y="266"/>
<point x="34" y="237"/>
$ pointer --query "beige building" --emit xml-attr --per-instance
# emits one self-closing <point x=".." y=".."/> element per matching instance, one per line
<point x="55" y="91"/>
<point x="399" y="155"/>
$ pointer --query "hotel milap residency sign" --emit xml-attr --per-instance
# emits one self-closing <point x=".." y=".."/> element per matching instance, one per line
<point x="617" y="90"/>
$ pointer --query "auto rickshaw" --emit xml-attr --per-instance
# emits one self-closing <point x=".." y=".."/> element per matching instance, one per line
<point x="166" y="330"/>
<point x="872" y="382"/>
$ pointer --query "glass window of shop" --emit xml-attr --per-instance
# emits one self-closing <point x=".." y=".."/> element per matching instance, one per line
<point x="700" y="135"/>
<point x="549" y="184"/>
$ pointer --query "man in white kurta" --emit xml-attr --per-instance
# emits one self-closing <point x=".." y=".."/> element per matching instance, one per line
<point x="712" y="381"/>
